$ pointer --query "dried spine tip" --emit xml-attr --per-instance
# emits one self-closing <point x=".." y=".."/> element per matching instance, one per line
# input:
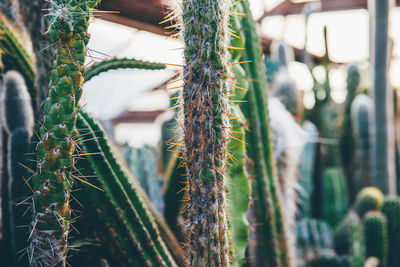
<point x="53" y="181"/>
<point x="205" y="127"/>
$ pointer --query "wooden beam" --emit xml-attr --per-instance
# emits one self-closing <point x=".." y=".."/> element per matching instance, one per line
<point x="288" y="8"/>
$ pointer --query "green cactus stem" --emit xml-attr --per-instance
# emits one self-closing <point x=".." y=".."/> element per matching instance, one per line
<point x="383" y="144"/>
<point x="391" y="210"/>
<point x="335" y="204"/>
<point x="15" y="55"/>
<point x="346" y="141"/>
<point x="272" y="246"/>
<point x="124" y="192"/>
<point x="376" y="239"/>
<point x="357" y="245"/>
<point x="17" y="120"/>
<point x="361" y="112"/>
<point x="120" y="63"/>
<point x="206" y="125"/>
<point x="55" y="151"/>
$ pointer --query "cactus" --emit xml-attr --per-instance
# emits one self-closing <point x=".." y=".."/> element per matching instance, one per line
<point x="357" y="245"/>
<point x="328" y="258"/>
<point x="376" y="239"/>
<point x="383" y="144"/>
<point x="370" y="198"/>
<point x="272" y="246"/>
<point x="335" y="204"/>
<point x="391" y="210"/>
<point x="120" y="63"/>
<point x="17" y="120"/>
<point x="122" y="192"/>
<point x="306" y="169"/>
<point x="361" y="111"/>
<point x="53" y="181"/>
<point x="346" y="141"/>
<point x="141" y="163"/>
<point x="206" y="124"/>
<point x="342" y="232"/>
<point x="312" y="237"/>
<point x="15" y="55"/>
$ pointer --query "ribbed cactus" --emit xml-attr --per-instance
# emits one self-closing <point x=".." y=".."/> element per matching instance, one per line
<point x="370" y="198"/>
<point x="328" y="258"/>
<point x="270" y="232"/>
<point x="334" y="198"/>
<point x="382" y="130"/>
<point x="306" y="169"/>
<point x="357" y="244"/>
<point x="205" y="127"/>
<point x="120" y="63"/>
<point x="312" y="237"/>
<point x="376" y="239"/>
<point x="342" y="233"/>
<point x="391" y="210"/>
<point x="346" y="141"/>
<point x="361" y="112"/>
<point x="17" y="120"/>
<point x="126" y="223"/>
<point x="55" y="151"/>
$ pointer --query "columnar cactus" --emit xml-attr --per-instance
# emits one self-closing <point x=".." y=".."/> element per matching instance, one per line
<point x="205" y="34"/>
<point x="17" y="120"/>
<point x="376" y="239"/>
<point x="55" y="151"/>
<point x="391" y="210"/>
<point x="361" y="112"/>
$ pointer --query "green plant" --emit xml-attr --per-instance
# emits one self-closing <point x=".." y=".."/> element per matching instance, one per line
<point x="17" y="120"/>
<point x="272" y="246"/>
<point x="391" y="210"/>
<point x="361" y="112"/>
<point x="376" y="239"/>
<point x="383" y="154"/>
<point x="120" y="63"/>
<point x="335" y="204"/>
<point x="206" y="127"/>
<point x="55" y="151"/>
<point x="370" y="198"/>
<point x="357" y="245"/>
<point x="127" y="223"/>
<point x="346" y="141"/>
<point x="328" y="258"/>
<point x="342" y="233"/>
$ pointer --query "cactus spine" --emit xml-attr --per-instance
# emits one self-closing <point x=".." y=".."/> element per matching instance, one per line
<point x="205" y="34"/>
<point x="376" y="236"/>
<point x="53" y="181"/>
<point x="391" y="210"/>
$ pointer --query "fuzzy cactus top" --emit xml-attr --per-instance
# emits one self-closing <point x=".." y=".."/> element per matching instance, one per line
<point x="205" y="127"/>
<point x="55" y="150"/>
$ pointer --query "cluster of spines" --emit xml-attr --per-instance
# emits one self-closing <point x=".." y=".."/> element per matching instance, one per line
<point x="376" y="239"/>
<point x="120" y="63"/>
<point x="205" y="126"/>
<point x="56" y="148"/>
<point x="144" y="245"/>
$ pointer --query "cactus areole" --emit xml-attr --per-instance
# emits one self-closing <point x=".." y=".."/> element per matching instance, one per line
<point x="55" y="150"/>
<point x="205" y="34"/>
